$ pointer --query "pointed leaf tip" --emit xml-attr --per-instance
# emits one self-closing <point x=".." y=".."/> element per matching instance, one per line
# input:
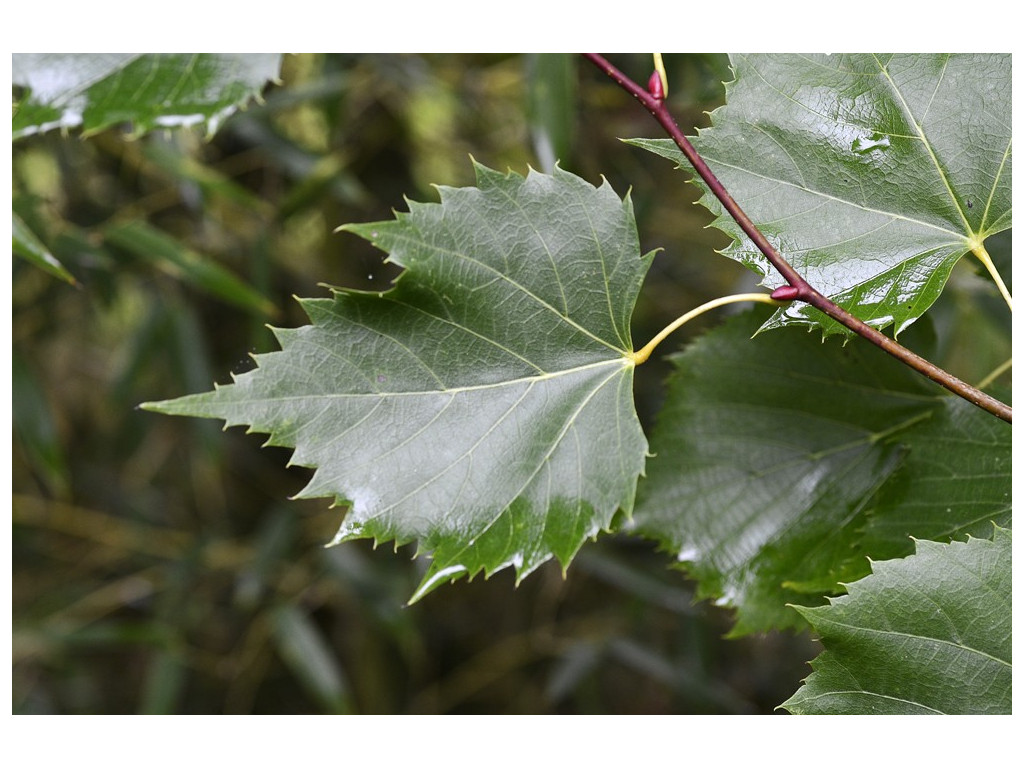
<point x="483" y="405"/>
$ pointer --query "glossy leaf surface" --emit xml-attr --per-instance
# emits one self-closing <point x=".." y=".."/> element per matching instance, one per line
<point x="872" y="174"/>
<point x="929" y="634"/>
<point x="166" y="90"/>
<point x="766" y="458"/>
<point x="483" y="406"/>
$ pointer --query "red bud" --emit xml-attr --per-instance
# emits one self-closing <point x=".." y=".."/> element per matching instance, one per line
<point x="655" y="87"/>
<point x="785" y="293"/>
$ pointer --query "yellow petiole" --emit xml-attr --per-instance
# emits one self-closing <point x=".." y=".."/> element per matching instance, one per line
<point x="984" y="258"/>
<point x="641" y="355"/>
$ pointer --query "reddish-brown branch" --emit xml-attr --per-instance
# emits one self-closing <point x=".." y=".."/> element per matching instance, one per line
<point x="800" y="289"/>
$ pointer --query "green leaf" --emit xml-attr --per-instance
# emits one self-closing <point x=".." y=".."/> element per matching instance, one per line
<point x="929" y="634"/>
<point x="872" y="174"/>
<point x="483" y="406"/>
<point x="166" y="90"/>
<point x="172" y="158"/>
<point x="31" y="248"/>
<point x="956" y="481"/>
<point x="765" y="458"/>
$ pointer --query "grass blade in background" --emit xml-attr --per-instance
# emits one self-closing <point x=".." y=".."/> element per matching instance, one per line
<point x="173" y="257"/>
<point x="308" y="653"/>
<point x="29" y="247"/>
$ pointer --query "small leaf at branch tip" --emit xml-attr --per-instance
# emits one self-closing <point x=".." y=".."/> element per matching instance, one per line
<point x="785" y="293"/>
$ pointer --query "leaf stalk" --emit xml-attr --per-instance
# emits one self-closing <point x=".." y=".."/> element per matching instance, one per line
<point x="982" y="255"/>
<point x="641" y="355"/>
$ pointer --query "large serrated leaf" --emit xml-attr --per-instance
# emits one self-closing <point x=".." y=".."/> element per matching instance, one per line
<point x="872" y="174"/>
<point x="766" y="457"/>
<point x="928" y="634"/>
<point x="165" y="90"/>
<point x="483" y="406"/>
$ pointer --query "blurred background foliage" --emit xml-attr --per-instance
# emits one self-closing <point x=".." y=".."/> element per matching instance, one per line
<point x="158" y="565"/>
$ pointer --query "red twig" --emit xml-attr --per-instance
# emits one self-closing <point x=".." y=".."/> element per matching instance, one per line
<point x="798" y="289"/>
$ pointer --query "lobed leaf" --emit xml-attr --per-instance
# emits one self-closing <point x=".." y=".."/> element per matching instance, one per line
<point x="928" y="634"/>
<point x="872" y="174"/>
<point x="483" y="406"/>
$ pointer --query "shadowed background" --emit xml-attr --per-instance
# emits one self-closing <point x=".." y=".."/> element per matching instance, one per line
<point x="158" y="565"/>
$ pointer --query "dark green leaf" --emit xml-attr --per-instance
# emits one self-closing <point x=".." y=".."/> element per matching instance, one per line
<point x="170" y="156"/>
<point x="34" y="427"/>
<point x="871" y="174"/>
<point x="483" y="406"/>
<point x="956" y="480"/>
<point x="165" y="680"/>
<point x="766" y="456"/>
<point x="928" y="634"/>
<point x="166" y="90"/>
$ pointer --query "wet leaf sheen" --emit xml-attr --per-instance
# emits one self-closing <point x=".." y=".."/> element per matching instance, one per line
<point x="484" y="405"/>
<point x="872" y="174"/>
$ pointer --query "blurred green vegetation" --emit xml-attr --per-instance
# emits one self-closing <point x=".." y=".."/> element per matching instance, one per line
<point x="158" y="566"/>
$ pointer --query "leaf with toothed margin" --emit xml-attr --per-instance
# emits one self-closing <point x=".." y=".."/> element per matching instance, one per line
<point x="872" y="174"/>
<point x="928" y="634"/>
<point x="483" y="406"/>
<point x="766" y="460"/>
<point x="93" y="91"/>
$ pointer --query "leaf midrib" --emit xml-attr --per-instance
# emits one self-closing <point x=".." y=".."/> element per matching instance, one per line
<point x="858" y="628"/>
<point x="911" y="118"/>
<point x="957" y="236"/>
<point x="837" y="692"/>
<point x="624" y="362"/>
<point x="570" y="421"/>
